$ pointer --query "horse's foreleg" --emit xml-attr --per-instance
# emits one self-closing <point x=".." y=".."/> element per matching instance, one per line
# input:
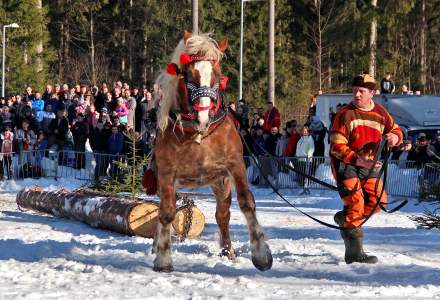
<point x="261" y="254"/>
<point x="222" y="191"/>
<point x="162" y="241"/>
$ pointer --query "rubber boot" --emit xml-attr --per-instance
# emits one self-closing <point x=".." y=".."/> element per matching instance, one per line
<point x="353" y="240"/>
<point x="354" y="252"/>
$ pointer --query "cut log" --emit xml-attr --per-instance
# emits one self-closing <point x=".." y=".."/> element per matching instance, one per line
<point x="107" y="211"/>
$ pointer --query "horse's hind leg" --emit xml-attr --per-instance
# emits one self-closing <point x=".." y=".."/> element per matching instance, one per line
<point x="261" y="254"/>
<point x="222" y="191"/>
<point x="167" y="212"/>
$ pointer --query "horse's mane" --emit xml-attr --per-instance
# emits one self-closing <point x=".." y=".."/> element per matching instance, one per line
<point x="201" y="44"/>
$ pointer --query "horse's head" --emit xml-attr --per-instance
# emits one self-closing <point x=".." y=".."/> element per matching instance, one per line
<point x="200" y="74"/>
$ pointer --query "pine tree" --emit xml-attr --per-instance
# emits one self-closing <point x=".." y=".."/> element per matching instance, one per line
<point x="131" y="169"/>
<point x="23" y="60"/>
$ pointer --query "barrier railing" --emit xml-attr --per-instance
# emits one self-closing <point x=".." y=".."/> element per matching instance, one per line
<point x="405" y="179"/>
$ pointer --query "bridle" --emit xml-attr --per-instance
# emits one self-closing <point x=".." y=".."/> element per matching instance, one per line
<point x="194" y="92"/>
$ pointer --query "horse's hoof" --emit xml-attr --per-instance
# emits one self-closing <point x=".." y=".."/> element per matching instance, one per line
<point x="263" y="259"/>
<point x="229" y="253"/>
<point x="166" y="269"/>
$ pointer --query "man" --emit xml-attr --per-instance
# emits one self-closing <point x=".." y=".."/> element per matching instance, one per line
<point x="357" y="129"/>
<point x="387" y="85"/>
<point x="80" y="132"/>
<point x="272" y="117"/>
<point x="130" y="103"/>
<point x="434" y="148"/>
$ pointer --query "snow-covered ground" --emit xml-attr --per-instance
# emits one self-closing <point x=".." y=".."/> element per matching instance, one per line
<point x="48" y="258"/>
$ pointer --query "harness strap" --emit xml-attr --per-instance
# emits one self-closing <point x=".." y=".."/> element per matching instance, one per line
<point x="257" y="162"/>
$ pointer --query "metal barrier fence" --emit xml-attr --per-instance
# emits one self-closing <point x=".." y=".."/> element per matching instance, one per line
<point x="430" y="185"/>
<point x="404" y="177"/>
<point x="86" y="166"/>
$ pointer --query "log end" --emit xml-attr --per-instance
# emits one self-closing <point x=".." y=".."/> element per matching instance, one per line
<point x="143" y="219"/>
<point x="197" y="224"/>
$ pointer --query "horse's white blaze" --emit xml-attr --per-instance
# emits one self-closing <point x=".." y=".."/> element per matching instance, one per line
<point x="205" y="71"/>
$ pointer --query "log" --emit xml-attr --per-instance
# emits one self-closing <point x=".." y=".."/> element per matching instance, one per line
<point x="107" y="211"/>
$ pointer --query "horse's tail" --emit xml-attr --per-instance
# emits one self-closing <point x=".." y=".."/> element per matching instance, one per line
<point x="149" y="182"/>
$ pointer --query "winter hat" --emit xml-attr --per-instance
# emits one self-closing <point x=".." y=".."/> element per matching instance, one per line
<point x="365" y="80"/>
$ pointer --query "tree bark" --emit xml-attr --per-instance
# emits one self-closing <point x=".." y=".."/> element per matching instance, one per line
<point x="92" y="48"/>
<point x="39" y="44"/>
<point x="423" y="48"/>
<point x="373" y="41"/>
<point x="106" y="211"/>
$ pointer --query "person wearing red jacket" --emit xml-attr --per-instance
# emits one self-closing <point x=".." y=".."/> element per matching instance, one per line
<point x="290" y="150"/>
<point x="272" y="117"/>
<point x="356" y="131"/>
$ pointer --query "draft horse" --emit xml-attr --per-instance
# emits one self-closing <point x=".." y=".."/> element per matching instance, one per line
<point x="198" y="145"/>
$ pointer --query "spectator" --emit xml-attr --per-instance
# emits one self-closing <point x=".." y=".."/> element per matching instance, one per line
<point x="72" y="109"/>
<point x="48" y="93"/>
<point x="115" y="147"/>
<point x="28" y="96"/>
<point x="58" y="129"/>
<point x="272" y="140"/>
<point x="419" y="153"/>
<point x="282" y="141"/>
<point x="46" y="118"/>
<point x="93" y="117"/>
<point x="104" y="117"/>
<point x="259" y="145"/>
<point x="387" y="85"/>
<point x="290" y="150"/>
<point x="80" y="132"/>
<point x="41" y="146"/>
<point x="99" y="139"/>
<point x="434" y="148"/>
<point x="121" y="110"/>
<point x="318" y="132"/>
<point x="401" y="154"/>
<point x="31" y="120"/>
<point x="109" y="104"/>
<point x="405" y="90"/>
<point x="245" y="113"/>
<point x="25" y="138"/>
<point x="255" y="119"/>
<point x="130" y="103"/>
<point x="304" y="152"/>
<point x="37" y="105"/>
<point x="7" y="138"/>
<point x="272" y="117"/>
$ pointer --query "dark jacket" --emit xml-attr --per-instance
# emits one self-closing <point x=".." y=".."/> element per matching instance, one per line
<point x="99" y="140"/>
<point x="61" y="125"/>
<point x="80" y="132"/>
<point x="115" y="143"/>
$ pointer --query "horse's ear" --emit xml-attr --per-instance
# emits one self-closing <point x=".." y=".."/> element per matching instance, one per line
<point x="223" y="44"/>
<point x="186" y="35"/>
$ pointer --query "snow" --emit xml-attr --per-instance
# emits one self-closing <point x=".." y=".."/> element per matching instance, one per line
<point x="43" y="257"/>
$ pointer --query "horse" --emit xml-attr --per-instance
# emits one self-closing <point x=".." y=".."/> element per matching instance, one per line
<point x="197" y="144"/>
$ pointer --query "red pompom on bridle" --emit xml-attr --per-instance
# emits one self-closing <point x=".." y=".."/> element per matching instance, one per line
<point x="172" y="69"/>
<point x="223" y="82"/>
<point x="185" y="59"/>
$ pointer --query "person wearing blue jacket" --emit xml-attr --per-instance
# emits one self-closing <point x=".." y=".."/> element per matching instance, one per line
<point x="37" y="105"/>
<point x="115" y="146"/>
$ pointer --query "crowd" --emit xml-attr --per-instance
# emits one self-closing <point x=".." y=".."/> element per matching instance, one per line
<point x="65" y="118"/>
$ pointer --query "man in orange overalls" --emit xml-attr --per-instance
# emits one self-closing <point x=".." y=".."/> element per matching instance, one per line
<point x="356" y="132"/>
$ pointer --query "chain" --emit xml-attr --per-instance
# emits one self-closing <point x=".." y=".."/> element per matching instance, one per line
<point x="188" y="205"/>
